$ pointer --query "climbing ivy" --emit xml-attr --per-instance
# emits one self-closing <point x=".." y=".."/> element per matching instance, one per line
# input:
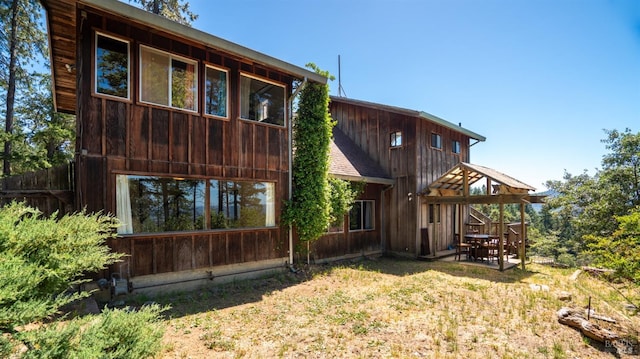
<point x="310" y="209"/>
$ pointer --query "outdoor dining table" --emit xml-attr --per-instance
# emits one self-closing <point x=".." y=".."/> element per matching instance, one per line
<point x="477" y="241"/>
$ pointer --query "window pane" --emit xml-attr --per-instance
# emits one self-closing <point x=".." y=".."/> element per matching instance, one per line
<point x="165" y="204"/>
<point x="154" y="77"/>
<point x="242" y="204"/>
<point x="368" y="215"/>
<point x="435" y="141"/>
<point x="216" y="92"/>
<point x="183" y="85"/>
<point x="355" y="216"/>
<point x="112" y="67"/>
<point x="262" y="101"/>
<point x="396" y="139"/>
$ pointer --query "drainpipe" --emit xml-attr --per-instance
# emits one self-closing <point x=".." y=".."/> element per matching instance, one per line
<point x="290" y="130"/>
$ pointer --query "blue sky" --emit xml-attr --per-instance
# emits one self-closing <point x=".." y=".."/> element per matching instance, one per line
<point x="540" y="79"/>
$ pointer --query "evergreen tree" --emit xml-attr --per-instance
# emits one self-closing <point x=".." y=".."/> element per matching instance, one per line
<point x="22" y="43"/>
<point x="176" y="10"/>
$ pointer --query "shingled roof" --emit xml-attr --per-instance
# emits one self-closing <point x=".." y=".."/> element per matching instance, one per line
<point x="350" y="162"/>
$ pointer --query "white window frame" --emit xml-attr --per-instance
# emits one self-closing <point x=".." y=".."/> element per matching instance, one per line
<point x="169" y="82"/>
<point x="204" y="98"/>
<point x="95" y="66"/>
<point x="362" y="214"/>
<point x="284" y="92"/>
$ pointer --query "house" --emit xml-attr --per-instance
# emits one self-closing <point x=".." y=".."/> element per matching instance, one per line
<point x="417" y="172"/>
<point x="183" y="135"/>
<point x="397" y="152"/>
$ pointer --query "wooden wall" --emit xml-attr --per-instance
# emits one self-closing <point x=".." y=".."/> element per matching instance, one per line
<point x="129" y="137"/>
<point x="345" y="243"/>
<point x="413" y="166"/>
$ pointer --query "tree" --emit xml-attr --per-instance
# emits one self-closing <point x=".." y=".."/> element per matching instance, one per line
<point x="23" y="42"/>
<point x="588" y="209"/>
<point x="176" y="10"/>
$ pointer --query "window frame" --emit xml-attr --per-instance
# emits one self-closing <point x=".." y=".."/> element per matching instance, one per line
<point x="171" y="56"/>
<point x="393" y="139"/>
<point x="204" y="92"/>
<point x="437" y="145"/>
<point x="268" y="81"/>
<point x="127" y="204"/>
<point x="456" y="147"/>
<point x="95" y="66"/>
<point x="362" y="214"/>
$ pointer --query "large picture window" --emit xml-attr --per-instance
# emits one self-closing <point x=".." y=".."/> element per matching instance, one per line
<point x="361" y="216"/>
<point x="112" y="66"/>
<point x="168" y="80"/>
<point x="262" y="101"/>
<point x="149" y="204"/>
<point x="215" y="91"/>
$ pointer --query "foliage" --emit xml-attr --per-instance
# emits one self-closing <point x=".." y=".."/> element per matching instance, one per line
<point x="22" y="43"/>
<point x="342" y="194"/>
<point x="621" y="249"/>
<point x="591" y="216"/>
<point x="40" y="257"/>
<point x="115" y="333"/>
<point x="176" y="10"/>
<point x="310" y="208"/>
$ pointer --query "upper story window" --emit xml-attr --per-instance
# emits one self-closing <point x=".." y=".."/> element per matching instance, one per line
<point x="216" y="90"/>
<point x="112" y="66"/>
<point x="262" y="101"/>
<point x="361" y="215"/>
<point x="396" y="139"/>
<point x="455" y="146"/>
<point x="168" y="80"/>
<point x="436" y="141"/>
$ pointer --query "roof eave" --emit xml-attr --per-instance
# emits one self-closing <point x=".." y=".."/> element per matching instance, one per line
<point x="447" y="124"/>
<point x="155" y="21"/>
<point x="375" y="180"/>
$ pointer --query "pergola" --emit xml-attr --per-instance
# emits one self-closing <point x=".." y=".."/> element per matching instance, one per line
<point x="453" y="187"/>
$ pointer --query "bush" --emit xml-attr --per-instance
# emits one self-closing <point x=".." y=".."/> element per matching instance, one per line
<point x="113" y="334"/>
<point x="41" y="258"/>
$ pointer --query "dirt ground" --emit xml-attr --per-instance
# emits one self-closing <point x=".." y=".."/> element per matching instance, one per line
<point x="384" y="308"/>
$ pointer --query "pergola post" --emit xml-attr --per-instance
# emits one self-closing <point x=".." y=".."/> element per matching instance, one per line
<point x="523" y="235"/>
<point x="500" y="238"/>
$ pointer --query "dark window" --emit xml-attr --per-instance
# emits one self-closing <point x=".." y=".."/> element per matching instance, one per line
<point x="262" y="101"/>
<point x="436" y="140"/>
<point x="112" y="66"/>
<point x="215" y="92"/>
<point x="396" y="139"/>
<point x="361" y="216"/>
<point x="455" y="146"/>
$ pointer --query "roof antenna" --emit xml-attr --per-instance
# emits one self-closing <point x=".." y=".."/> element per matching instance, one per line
<point x="341" y="92"/>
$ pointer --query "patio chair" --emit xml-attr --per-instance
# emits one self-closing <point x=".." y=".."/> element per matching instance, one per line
<point x="461" y="248"/>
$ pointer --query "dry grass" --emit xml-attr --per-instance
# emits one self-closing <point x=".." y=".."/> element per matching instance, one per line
<point x="389" y="308"/>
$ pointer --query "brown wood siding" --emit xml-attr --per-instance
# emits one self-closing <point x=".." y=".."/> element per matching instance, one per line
<point x="414" y="165"/>
<point x="125" y="136"/>
<point x="348" y="242"/>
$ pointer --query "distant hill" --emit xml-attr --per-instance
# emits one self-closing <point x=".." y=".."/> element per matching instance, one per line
<point x="549" y="194"/>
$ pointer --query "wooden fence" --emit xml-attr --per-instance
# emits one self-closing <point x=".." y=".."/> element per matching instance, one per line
<point x="49" y="190"/>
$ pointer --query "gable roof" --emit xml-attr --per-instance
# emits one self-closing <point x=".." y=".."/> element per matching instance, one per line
<point x="454" y="178"/>
<point x="61" y="27"/>
<point x="412" y="113"/>
<point x="350" y="162"/>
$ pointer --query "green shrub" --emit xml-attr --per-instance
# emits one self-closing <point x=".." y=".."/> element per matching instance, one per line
<point x="113" y="334"/>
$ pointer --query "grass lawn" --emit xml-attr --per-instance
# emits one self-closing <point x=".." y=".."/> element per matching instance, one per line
<point x="391" y="308"/>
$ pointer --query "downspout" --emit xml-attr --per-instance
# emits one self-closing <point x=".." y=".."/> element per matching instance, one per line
<point x="290" y="130"/>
